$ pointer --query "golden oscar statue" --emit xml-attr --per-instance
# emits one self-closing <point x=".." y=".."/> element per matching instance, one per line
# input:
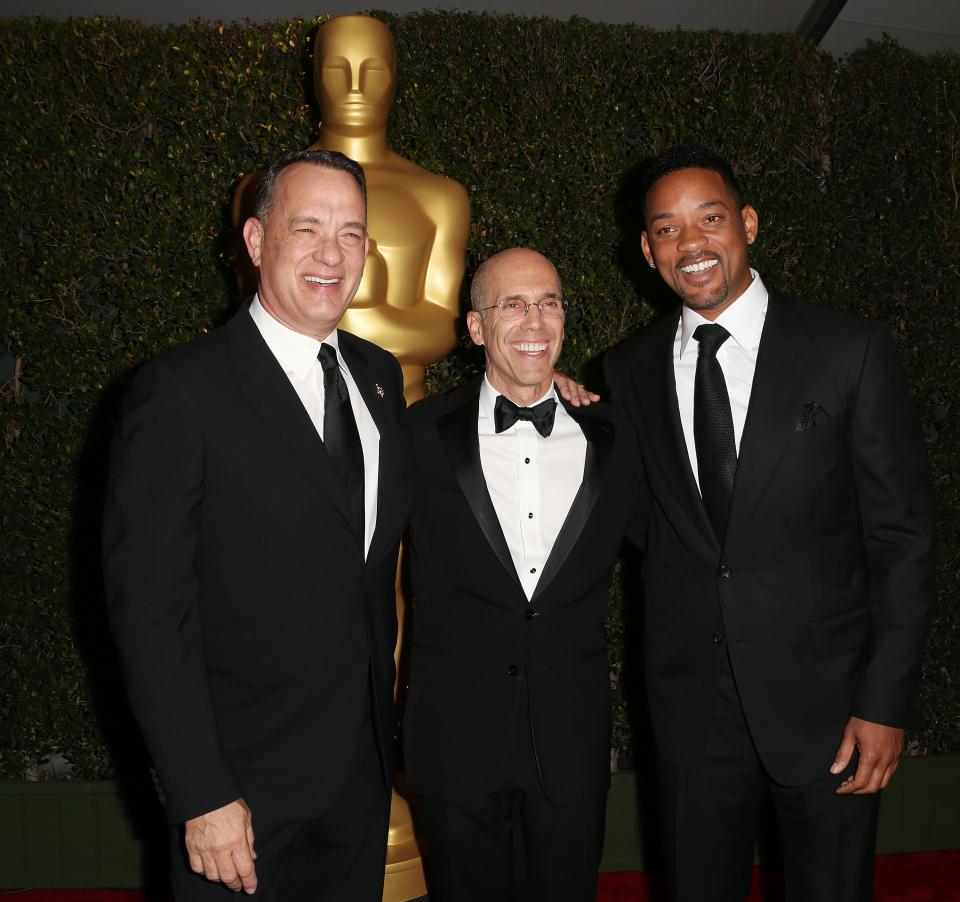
<point x="408" y="300"/>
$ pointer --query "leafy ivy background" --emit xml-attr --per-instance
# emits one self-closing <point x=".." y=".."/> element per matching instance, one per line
<point x="123" y="144"/>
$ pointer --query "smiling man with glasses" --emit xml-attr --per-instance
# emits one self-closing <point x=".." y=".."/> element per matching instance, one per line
<point x="521" y="504"/>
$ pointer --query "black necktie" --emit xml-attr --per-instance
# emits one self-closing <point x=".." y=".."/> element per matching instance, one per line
<point x="506" y="413"/>
<point x="713" y="429"/>
<point x="340" y="435"/>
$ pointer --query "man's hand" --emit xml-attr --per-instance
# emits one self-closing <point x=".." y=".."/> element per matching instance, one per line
<point x="574" y="392"/>
<point x="880" y="749"/>
<point x="220" y="846"/>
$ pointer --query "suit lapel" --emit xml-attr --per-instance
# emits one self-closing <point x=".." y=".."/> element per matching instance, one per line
<point x="662" y="432"/>
<point x="599" y="434"/>
<point x="266" y="386"/>
<point x="458" y="435"/>
<point x="373" y="394"/>
<point x="776" y="398"/>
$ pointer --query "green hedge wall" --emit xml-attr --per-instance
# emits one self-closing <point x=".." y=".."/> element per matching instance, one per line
<point x="122" y="145"/>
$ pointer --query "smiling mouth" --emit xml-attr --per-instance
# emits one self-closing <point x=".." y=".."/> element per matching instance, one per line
<point x="691" y="269"/>
<point x="531" y="347"/>
<point x="317" y="280"/>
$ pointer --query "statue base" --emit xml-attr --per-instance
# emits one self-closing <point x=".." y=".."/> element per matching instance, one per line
<point x="404" y="878"/>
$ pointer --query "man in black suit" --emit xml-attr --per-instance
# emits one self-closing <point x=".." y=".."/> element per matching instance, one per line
<point x="519" y="511"/>
<point x="257" y="495"/>
<point x="789" y="563"/>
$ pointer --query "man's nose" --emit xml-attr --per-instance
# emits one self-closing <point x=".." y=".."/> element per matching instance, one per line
<point x="328" y="251"/>
<point x="534" y="317"/>
<point x="691" y="239"/>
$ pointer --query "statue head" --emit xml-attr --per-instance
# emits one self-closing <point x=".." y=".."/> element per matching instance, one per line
<point x="354" y="73"/>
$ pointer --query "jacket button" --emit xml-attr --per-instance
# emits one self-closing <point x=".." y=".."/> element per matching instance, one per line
<point x="724" y="571"/>
<point x="717" y="639"/>
<point x="512" y="670"/>
<point x="531" y="613"/>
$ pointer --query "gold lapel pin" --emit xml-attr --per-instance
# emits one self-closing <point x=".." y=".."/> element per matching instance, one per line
<point x="379" y="390"/>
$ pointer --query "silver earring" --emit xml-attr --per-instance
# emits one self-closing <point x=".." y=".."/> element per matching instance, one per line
<point x="653" y="266"/>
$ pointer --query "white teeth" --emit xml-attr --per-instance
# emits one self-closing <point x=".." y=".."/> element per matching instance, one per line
<point x="701" y="266"/>
<point x="318" y="281"/>
<point x="531" y="347"/>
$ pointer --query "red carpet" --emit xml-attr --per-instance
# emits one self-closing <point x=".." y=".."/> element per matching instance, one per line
<point x="910" y="877"/>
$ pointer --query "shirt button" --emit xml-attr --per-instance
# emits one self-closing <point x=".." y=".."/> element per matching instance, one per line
<point x="512" y="670"/>
<point x="530" y="515"/>
<point x="724" y="571"/>
<point x="526" y="460"/>
<point x="717" y="639"/>
<point x="533" y="569"/>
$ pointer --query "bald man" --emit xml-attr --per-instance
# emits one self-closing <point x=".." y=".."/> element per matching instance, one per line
<point x="520" y="507"/>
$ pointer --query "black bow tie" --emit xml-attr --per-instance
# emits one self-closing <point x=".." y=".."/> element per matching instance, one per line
<point x="506" y="413"/>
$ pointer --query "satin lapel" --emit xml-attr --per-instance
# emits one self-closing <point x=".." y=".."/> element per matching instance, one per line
<point x="662" y="433"/>
<point x="776" y="398"/>
<point x="380" y="407"/>
<point x="458" y="435"/>
<point x="600" y="441"/>
<point x="267" y="388"/>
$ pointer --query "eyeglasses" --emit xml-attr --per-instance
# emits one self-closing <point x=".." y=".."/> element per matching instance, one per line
<point x="510" y="310"/>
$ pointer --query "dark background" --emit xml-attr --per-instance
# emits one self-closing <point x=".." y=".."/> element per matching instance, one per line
<point x="839" y="26"/>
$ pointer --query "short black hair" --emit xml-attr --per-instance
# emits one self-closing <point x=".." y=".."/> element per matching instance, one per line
<point x="326" y="159"/>
<point x="688" y="156"/>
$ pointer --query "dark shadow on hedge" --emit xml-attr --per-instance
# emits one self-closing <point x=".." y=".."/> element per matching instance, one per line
<point x="95" y="646"/>
<point x="628" y="208"/>
<point x="466" y="361"/>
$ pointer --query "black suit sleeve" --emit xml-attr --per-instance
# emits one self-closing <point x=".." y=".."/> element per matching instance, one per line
<point x="636" y="527"/>
<point x="151" y="533"/>
<point x="895" y="496"/>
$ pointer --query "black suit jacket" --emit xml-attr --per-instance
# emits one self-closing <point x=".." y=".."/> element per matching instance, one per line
<point x="250" y="626"/>
<point x="478" y="644"/>
<point x="822" y="591"/>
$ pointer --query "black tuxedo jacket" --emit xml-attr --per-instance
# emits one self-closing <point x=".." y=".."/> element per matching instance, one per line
<point x="478" y="644"/>
<point x="822" y="591"/>
<point x="250" y="627"/>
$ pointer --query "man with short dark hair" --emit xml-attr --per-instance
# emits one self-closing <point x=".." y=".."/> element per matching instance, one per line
<point x="789" y="565"/>
<point x="257" y="494"/>
<point x="520" y="506"/>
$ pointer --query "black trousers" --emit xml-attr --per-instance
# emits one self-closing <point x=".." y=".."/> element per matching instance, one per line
<point x="710" y="814"/>
<point x="512" y="844"/>
<point x="337" y="857"/>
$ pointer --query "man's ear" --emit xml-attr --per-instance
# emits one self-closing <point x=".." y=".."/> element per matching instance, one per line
<point x="751" y="222"/>
<point x="253" y="238"/>
<point x="475" y="327"/>
<point x="645" y="247"/>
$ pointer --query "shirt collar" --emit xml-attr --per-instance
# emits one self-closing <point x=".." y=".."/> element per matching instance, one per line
<point x="296" y="352"/>
<point x="743" y="319"/>
<point x="488" y="397"/>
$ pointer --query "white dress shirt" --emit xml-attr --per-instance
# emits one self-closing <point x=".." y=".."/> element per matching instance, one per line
<point x="532" y="481"/>
<point x="737" y="357"/>
<point x="297" y="355"/>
